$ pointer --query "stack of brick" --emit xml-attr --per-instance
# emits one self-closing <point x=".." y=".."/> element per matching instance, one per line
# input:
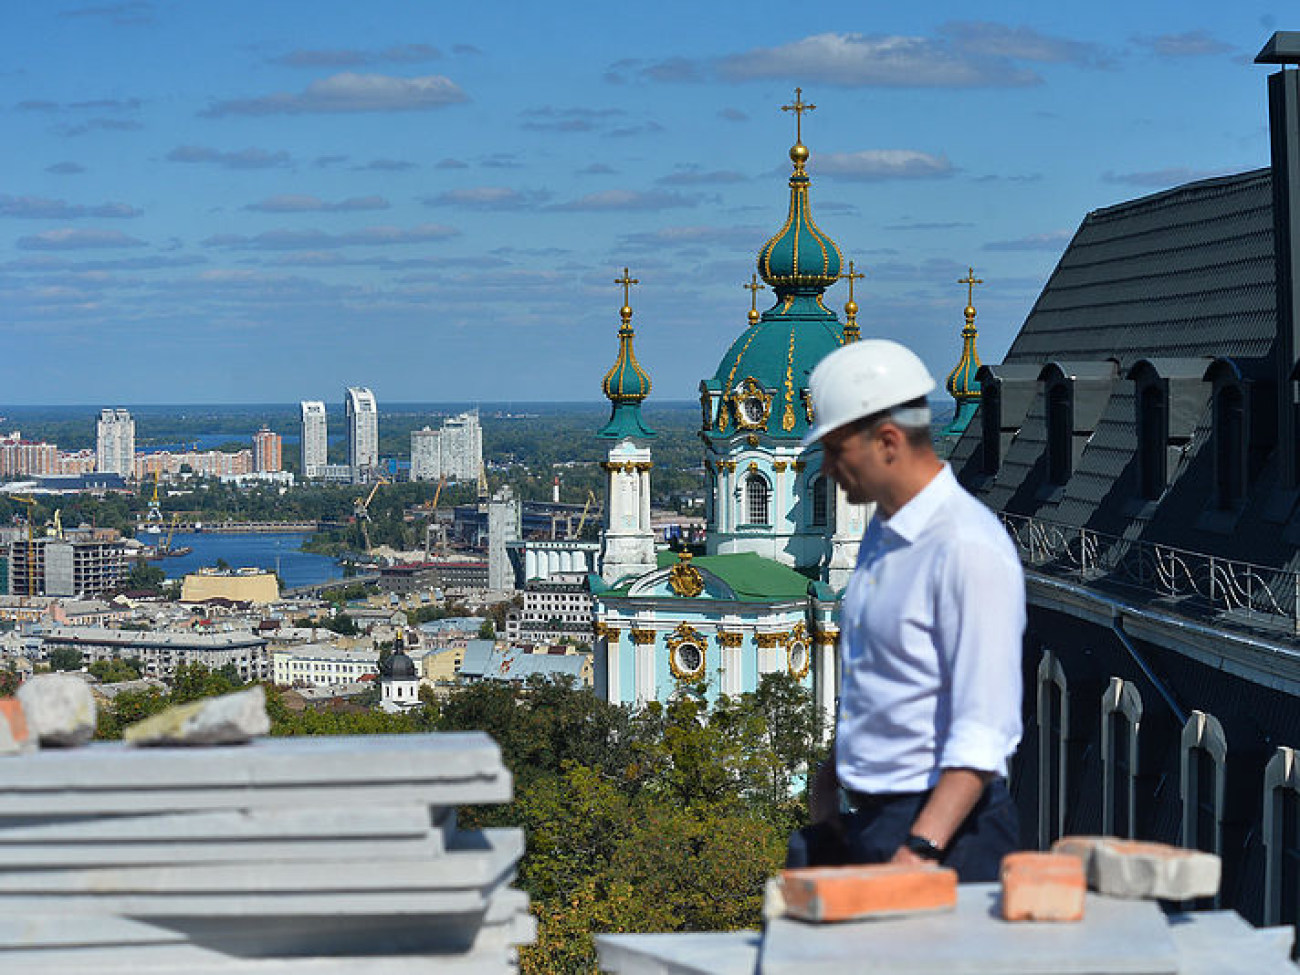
<point x="277" y="856"/>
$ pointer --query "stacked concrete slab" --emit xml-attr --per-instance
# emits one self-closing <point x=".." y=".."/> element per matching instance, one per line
<point x="282" y="855"/>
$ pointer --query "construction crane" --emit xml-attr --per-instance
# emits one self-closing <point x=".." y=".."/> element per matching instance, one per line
<point x="361" y="509"/>
<point x="153" y="519"/>
<point x="482" y="484"/>
<point x="432" y="525"/>
<point x="586" y="509"/>
<point x="31" y="545"/>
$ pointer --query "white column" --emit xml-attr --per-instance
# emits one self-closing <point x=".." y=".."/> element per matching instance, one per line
<point x="826" y="686"/>
<point x="645" y="672"/>
<point x="644" y="487"/>
<point x="613" y="683"/>
<point x="530" y="564"/>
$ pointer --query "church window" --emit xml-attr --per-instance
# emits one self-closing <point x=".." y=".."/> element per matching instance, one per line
<point x="1152" y="440"/>
<point x="1060" y="433"/>
<point x="758" y="500"/>
<point x="1229" y="447"/>
<point x="1053" y="742"/>
<point x="1121" y="717"/>
<point x="820" y="501"/>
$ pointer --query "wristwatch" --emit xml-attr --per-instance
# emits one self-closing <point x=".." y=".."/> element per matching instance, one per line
<point x="923" y="847"/>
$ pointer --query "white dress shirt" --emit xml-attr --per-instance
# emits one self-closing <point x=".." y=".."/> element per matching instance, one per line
<point x="930" y="645"/>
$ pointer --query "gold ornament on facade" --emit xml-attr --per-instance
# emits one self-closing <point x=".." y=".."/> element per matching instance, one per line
<point x="808" y="406"/>
<point x="799" y="465"/>
<point x="769" y="641"/>
<point x="684" y="579"/>
<point x="779" y="466"/>
<point x="752" y="440"/>
<point x="752" y="403"/>
<point x="643" y="638"/>
<point x="686" y="652"/>
<point x="729" y="638"/>
<point x="826" y="638"/>
<point x="797" y="657"/>
<point x="706" y="406"/>
<point x="727" y="466"/>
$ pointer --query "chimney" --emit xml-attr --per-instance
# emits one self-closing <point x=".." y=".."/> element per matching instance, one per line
<point x="1284" y="130"/>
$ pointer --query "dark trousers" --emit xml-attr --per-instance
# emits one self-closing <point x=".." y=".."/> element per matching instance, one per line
<point x="879" y="824"/>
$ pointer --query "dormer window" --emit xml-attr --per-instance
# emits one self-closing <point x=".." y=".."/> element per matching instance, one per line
<point x="991" y="426"/>
<point x="1229" y="446"/>
<point x="1060" y="432"/>
<point x="1152" y="440"/>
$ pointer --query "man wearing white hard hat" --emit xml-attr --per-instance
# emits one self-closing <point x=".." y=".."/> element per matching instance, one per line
<point x="930" y="638"/>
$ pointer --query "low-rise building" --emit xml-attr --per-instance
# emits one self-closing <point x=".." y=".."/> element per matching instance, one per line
<point x="323" y="665"/>
<point x="239" y="585"/>
<point x="163" y="651"/>
<point x="559" y="606"/>
<point x="442" y="666"/>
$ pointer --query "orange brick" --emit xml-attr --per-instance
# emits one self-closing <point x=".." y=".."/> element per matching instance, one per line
<point x="1042" y="887"/>
<point x="878" y="890"/>
<point x="11" y="713"/>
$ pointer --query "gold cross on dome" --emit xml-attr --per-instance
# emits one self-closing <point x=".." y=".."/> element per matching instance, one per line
<point x="626" y="281"/>
<point x="754" y="288"/>
<point x="851" y="277"/>
<point x="799" y="107"/>
<point x="970" y="281"/>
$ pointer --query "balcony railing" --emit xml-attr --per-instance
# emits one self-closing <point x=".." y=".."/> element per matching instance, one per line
<point x="1196" y="582"/>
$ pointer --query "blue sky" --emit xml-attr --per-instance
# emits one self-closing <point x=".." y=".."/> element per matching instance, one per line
<point x="252" y="202"/>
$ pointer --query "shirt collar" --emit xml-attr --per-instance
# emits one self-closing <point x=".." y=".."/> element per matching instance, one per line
<point x="910" y="520"/>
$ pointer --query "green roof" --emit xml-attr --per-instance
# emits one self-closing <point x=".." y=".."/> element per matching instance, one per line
<point x="752" y="577"/>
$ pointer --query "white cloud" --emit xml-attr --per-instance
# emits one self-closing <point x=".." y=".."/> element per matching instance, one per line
<point x="40" y="208"/>
<point x="488" y="198"/>
<point x="288" y="240"/>
<point x="350" y="92"/>
<point x="872" y="165"/>
<point x="1052" y="241"/>
<point x="69" y="239"/>
<point x="608" y="200"/>
<point x="1190" y="44"/>
<point x="251" y="158"/>
<point x="294" y="203"/>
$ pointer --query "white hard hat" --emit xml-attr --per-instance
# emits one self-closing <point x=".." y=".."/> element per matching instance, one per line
<point x="862" y="378"/>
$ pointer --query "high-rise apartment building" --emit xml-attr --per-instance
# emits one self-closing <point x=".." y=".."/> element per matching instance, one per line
<point x="268" y="449"/>
<point x="315" y="438"/>
<point x="363" y="431"/>
<point x="115" y="442"/>
<point x="455" y="451"/>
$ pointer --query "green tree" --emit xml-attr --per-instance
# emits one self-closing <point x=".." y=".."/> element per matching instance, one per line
<point x="145" y="577"/>
<point x="486" y="631"/>
<point x="114" y="670"/>
<point x="65" y="658"/>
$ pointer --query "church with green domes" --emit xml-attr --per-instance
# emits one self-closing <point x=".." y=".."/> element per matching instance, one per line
<point x="782" y="539"/>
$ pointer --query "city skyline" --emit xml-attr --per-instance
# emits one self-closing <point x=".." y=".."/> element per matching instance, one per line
<point x="245" y="203"/>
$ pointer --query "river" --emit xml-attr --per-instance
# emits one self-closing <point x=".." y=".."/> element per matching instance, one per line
<point x="278" y="552"/>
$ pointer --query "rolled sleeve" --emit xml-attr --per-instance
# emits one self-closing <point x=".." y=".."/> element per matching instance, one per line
<point x="981" y="623"/>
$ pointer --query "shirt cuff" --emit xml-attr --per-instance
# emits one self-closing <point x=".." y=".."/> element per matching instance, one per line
<point x="977" y="746"/>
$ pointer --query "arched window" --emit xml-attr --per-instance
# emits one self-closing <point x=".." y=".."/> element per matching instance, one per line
<point x="1204" y="758"/>
<point x="1229" y="447"/>
<point x="1152" y="440"/>
<point x="1121" y="717"/>
<point x="991" y="425"/>
<point x="1282" y="839"/>
<point x="820" y="501"/>
<point x="1060" y="433"/>
<point x="758" y="500"/>
<point x="1053" y="741"/>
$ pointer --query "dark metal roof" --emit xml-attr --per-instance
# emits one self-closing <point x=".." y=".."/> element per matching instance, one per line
<point x="1172" y="281"/>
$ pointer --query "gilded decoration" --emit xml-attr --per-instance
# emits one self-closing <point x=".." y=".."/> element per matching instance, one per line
<point x="797" y="657"/>
<point x="769" y="641"/>
<point x="779" y="466"/>
<point x="808" y="406"/>
<point x="727" y="466"/>
<point x="684" y="579"/>
<point x="706" y="406"/>
<point x="826" y="638"/>
<point x="729" y="638"/>
<point x="799" y="465"/>
<point x="753" y="405"/>
<point x="753" y="467"/>
<point x="686" y="652"/>
<point x="643" y="638"/>
<point x="752" y="440"/>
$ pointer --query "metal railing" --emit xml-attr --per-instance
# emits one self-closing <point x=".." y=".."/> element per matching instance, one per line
<point x="1254" y="593"/>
